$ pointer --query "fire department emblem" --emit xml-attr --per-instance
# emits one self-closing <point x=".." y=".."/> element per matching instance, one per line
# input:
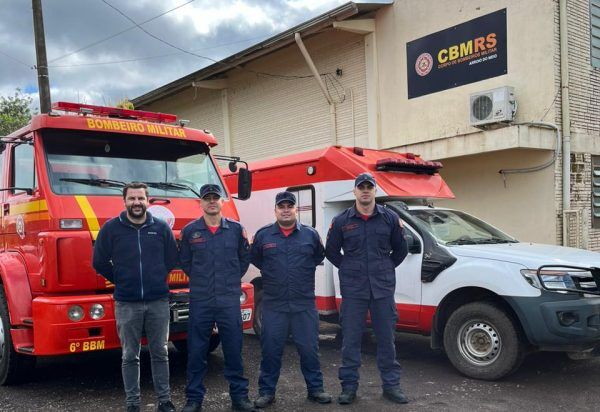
<point x="162" y="213"/>
<point x="424" y="64"/>
<point x="20" y="226"/>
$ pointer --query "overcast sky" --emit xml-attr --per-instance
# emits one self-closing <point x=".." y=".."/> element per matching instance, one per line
<point x="87" y="68"/>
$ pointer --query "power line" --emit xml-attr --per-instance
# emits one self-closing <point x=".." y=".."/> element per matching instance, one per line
<point x="15" y="59"/>
<point x="278" y="76"/>
<point x="155" y="56"/>
<point x="119" y="33"/>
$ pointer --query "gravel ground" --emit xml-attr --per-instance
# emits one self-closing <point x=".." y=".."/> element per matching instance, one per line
<point x="545" y="382"/>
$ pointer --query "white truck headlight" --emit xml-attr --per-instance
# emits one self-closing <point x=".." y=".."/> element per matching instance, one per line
<point x="243" y="298"/>
<point x="557" y="279"/>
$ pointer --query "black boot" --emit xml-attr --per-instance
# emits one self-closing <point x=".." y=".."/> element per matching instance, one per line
<point x="192" y="406"/>
<point x="243" y="404"/>
<point x="346" y="397"/>
<point x="319" y="397"/>
<point x="264" y="400"/>
<point x="395" y="395"/>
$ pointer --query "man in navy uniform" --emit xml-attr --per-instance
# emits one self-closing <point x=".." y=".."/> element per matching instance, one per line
<point x="372" y="238"/>
<point x="215" y="254"/>
<point x="287" y="253"/>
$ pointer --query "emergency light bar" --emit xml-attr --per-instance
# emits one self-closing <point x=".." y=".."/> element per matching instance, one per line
<point x="408" y="165"/>
<point x="114" y="112"/>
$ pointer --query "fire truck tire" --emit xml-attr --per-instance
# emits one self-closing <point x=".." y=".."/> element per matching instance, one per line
<point x="257" y="321"/>
<point x="181" y="345"/>
<point x="14" y="367"/>
<point x="483" y="341"/>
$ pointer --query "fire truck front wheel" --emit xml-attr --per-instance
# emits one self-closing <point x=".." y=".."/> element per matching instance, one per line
<point x="14" y="367"/>
<point x="483" y="341"/>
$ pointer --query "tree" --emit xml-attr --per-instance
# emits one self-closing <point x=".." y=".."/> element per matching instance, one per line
<point x="14" y="112"/>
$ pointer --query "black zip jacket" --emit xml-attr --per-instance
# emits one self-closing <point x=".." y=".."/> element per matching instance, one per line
<point x="137" y="261"/>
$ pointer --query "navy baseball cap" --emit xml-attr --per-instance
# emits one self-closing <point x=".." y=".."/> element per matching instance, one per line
<point x="285" y="197"/>
<point x="211" y="189"/>
<point x="364" y="177"/>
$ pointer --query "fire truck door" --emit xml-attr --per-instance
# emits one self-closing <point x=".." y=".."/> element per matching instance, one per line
<point x="21" y="211"/>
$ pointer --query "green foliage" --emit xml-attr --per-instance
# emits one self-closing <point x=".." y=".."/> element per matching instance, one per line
<point x="14" y="112"/>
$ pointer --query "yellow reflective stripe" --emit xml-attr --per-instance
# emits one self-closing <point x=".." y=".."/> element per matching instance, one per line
<point x="89" y="214"/>
<point x="29" y="207"/>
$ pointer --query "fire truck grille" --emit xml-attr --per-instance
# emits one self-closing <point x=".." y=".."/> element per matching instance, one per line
<point x="180" y="312"/>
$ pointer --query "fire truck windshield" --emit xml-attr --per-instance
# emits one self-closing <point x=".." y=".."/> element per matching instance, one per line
<point x="92" y="163"/>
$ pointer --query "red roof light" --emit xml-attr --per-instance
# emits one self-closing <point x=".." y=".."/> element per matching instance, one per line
<point x="114" y="112"/>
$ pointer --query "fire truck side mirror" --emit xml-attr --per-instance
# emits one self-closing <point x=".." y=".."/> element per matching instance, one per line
<point x="244" y="184"/>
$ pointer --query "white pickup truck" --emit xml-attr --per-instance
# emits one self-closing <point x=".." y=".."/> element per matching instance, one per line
<point x="485" y="298"/>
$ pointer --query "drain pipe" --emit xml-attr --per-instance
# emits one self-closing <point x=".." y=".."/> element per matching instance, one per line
<point x="315" y="72"/>
<point x="566" y="109"/>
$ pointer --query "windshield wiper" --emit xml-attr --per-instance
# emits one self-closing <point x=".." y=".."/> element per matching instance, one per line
<point x="173" y="186"/>
<point x="480" y="241"/>
<point x="95" y="182"/>
<point x="462" y="242"/>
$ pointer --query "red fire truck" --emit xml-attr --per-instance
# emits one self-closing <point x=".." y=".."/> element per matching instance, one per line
<point x="62" y="178"/>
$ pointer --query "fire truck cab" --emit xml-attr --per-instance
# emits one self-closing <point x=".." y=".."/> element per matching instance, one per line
<point x="485" y="298"/>
<point x="62" y="178"/>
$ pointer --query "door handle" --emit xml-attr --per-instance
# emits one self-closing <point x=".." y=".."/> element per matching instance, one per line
<point x="5" y="209"/>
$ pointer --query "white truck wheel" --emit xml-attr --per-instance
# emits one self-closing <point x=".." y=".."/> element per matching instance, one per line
<point x="483" y="342"/>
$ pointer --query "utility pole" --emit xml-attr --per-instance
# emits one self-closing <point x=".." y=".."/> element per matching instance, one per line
<point x="40" y="52"/>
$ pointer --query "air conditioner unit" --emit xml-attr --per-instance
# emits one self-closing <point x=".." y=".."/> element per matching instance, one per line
<point x="492" y="108"/>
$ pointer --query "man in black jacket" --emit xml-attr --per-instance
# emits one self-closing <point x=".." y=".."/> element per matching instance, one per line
<point x="136" y="252"/>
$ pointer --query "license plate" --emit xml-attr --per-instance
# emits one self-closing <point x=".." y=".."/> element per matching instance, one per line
<point x="246" y="315"/>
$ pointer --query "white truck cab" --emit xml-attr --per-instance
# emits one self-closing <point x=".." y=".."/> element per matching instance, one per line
<point x="485" y="298"/>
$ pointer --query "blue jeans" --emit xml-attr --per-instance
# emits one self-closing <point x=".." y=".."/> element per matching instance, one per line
<point x="383" y="320"/>
<point x="304" y="326"/>
<point x="200" y="326"/>
<point x="133" y="318"/>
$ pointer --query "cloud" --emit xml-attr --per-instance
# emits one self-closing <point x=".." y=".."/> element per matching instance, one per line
<point x="213" y="29"/>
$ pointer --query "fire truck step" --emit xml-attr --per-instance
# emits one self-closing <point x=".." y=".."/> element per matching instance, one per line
<point x="25" y="349"/>
<point x="28" y="321"/>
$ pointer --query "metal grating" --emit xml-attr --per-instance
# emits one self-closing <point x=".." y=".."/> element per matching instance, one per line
<point x="595" y="32"/>
<point x="572" y="230"/>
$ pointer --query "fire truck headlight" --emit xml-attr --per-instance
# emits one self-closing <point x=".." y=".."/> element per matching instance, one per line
<point x="97" y="311"/>
<point x="75" y="313"/>
<point x="243" y="298"/>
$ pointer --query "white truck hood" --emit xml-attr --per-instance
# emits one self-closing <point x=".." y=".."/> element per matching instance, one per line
<point x="530" y="255"/>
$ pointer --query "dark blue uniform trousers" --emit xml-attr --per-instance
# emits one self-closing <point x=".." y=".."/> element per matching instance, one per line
<point x="304" y="326"/>
<point x="383" y="320"/>
<point x="229" y="323"/>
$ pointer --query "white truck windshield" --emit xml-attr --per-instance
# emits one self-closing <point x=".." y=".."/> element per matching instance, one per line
<point x="452" y="227"/>
<point x="89" y="163"/>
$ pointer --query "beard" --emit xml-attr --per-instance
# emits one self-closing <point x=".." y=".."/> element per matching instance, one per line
<point x="138" y="214"/>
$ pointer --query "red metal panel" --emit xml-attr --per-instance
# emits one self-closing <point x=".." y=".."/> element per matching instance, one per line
<point x="16" y="287"/>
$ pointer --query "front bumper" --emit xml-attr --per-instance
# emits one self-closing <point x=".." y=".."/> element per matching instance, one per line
<point x="55" y="334"/>
<point x="543" y="319"/>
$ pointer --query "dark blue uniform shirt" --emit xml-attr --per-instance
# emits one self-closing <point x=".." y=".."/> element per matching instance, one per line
<point x="215" y="263"/>
<point x="372" y="250"/>
<point x="287" y="266"/>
